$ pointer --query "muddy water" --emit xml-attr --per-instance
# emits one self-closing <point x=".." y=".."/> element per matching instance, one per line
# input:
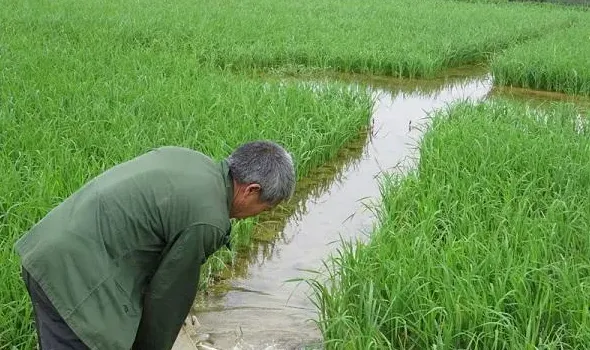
<point x="258" y="309"/>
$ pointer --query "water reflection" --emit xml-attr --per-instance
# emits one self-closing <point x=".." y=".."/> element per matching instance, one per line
<point x="270" y="230"/>
<point x="269" y="234"/>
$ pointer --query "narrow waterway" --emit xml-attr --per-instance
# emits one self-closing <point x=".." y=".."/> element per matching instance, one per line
<point x="259" y="309"/>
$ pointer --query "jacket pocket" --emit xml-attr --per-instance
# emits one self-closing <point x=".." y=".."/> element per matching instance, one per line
<point x="127" y="281"/>
<point x="131" y="277"/>
<point x="131" y="306"/>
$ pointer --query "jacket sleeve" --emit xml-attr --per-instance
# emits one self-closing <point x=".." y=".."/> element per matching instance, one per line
<point x="173" y="287"/>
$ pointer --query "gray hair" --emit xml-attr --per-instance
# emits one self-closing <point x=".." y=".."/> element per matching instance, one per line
<point x="267" y="164"/>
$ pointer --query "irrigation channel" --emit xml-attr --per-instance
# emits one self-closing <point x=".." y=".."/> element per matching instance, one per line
<point x="257" y="308"/>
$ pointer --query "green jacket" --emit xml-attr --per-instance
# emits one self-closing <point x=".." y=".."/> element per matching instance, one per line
<point x="120" y="258"/>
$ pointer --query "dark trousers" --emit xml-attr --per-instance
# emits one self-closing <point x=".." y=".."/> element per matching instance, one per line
<point x="52" y="331"/>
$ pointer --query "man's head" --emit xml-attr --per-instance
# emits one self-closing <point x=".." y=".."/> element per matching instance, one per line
<point x="263" y="174"/>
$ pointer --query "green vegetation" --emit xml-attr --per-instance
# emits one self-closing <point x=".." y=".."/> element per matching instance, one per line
<point x="484" y="246"/>
<point x="560" y="2"/>
<point x="70" y="111"/>
<point x="555" y="62"/>
<point x="402" y="38"/>
<point x="86" y="85"/>
<point x="581" y="3"/>
<point x="54" y="142"/>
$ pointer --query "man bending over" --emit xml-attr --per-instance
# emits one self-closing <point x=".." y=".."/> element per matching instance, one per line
<point x="116" y="265"/>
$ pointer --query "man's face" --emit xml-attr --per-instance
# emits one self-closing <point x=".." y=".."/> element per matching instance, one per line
<point x="247" y="202"/>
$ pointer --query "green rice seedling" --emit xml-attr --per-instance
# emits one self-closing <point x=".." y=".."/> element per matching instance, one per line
<point x="86" y="85"/>
<point x="581" y="3"/>
<point x="556" y="62"/>
<point x="484" y="246"/>
<point x="401" y="38"/>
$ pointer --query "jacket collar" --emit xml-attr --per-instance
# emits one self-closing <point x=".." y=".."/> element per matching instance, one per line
<point x="229" y="187"/>
<point x="229" y="184"/>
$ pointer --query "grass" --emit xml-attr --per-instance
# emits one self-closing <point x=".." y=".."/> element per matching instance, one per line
<point x="86" y="85"/>
<point x="484" y="246"/>
<point x="400" y="38"/>
<point x="555" y="62"/>
<point x="582" y="3"/>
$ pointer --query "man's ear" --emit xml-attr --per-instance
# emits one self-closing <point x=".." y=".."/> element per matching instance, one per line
<point x="252" y="188"/>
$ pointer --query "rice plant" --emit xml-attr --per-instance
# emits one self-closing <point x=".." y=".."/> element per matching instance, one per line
<point x="555" y="62"/>
<point x="400" y="38"/>
<point x="484" y="246"/>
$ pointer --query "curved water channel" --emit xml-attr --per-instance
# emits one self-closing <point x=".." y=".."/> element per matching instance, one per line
<point x="257" y="308"/>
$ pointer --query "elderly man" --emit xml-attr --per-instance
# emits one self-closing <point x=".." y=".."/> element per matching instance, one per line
<point x="116" y="265"/>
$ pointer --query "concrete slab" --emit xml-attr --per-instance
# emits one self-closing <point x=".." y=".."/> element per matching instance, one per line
<point x="184" y="341"/>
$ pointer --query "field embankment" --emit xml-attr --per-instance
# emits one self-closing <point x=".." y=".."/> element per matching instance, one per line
<point x="484" y="246"/>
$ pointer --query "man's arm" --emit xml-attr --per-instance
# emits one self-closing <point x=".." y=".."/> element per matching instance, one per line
<point x="173" y="287"/>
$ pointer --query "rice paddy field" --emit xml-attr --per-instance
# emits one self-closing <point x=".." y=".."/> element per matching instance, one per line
<point x="483" y="246"/>
<point x="488" y="240"/>
<point x="556" y="62"/>
<point x="401" y="38"/>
